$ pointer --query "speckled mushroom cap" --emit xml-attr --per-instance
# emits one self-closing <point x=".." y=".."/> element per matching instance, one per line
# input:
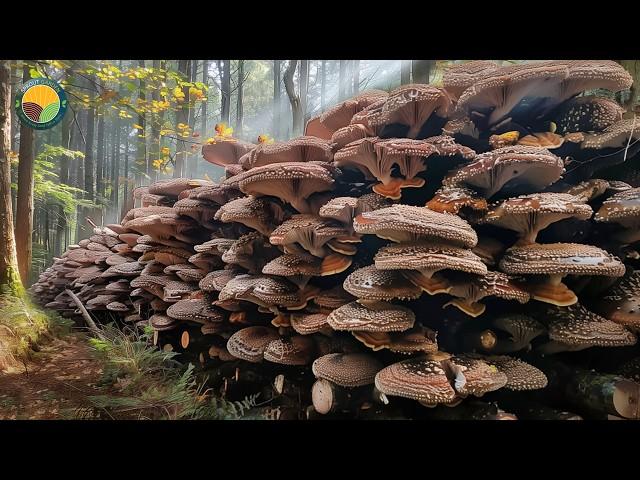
<point x="118" y="307"/>
<point x="290" y="265"/>
<point x="498" y="93"/>
<point x="341" y="209"/>
<point x="297" y="350"/>
<point x="249" y="343"/>
<point x="311" y="232"/>
<point x="128" y="269"/>
<point x="350" y="133"/>
<point x="587" y="114"/>
<point x="457" y="78"/>
<point x="576" y="326"/>
<point x="371" y="317"/>
<point x="195" y="311"/>
<point x="518" y="166"/>
<point x="588" y="190"/>
<point x="217" y="246"/>
<point x="560" y="259"/>
<point x="412" y="105"/>
<point x="621" y="304"/>
<point x="622" y="207"/>
<point x="314" y="128"/>
<point x="458" y="201"/>
<point x="257" y="213"/>
<point x="520" y="374"/>
<point x="201" y="211"/>
<point x="217" y="193"/>
<point x="250" y="251"/>
<point x="347" y="369"/>
<point x="418" y="379"/>
<point x="299" y="149"/>
<point x="614" y="136"/>
<point x="162" y="322"/>
<point x="225" y="152"/>
<point x="369" y="283"/>
<point x="333" y="298"/>
<point x="291" y="182"/>
<point x="282" y="292"/>
<point x="528" y="214"/>
<point x="417" y="339"/>
<point x="173" y="186"/>
<point x="428" y="257"/>
<point x="145" y="212"/>
<point x="341" y="114"/>
<point x="215" y="281"/>
<point x="473" y="376"/>
<point x="239" y="287"/>
<point x="309" y="323"/>
<point x="401" y="223"/>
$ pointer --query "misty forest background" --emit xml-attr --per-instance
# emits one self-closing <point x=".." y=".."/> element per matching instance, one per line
<point x="131" y="122"/>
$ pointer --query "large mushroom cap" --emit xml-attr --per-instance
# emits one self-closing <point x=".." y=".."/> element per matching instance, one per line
<point x="294" y="265"/>
<point x="577" y="328"/>
<point x="225" y="152"/>
<point x="418" y="379"/>
<point x="174" y="186"/>
<point x="622" y="208"/>
<point x="341" y="114"/>
<point x="371" y="317"/>
<point x="249" y="343"/>
<point x="401" y="223"/>
<point x="314" y="128"/>
<point x="560" y="259"/>
<point x="297" y="350"/>
<point x="333" y="298"/>
<point x="197" y="310"/>
<point x="457" y="78"/>
<point x="621" y="304"/>
<point x="257" y="213"/>
<point x="616" y="135"/>
<point x="341" y="209"/>
<point x="291" y="182"/>
<point x="345" y="135"/>
<point x="347" y="369"/>
<point x="369" y="283"/>
<point x="528" y="214"/>
<point x="458" y="201"/>
<point x="412" y="106"/>
<point x="520" y="374"/>
<point x="517" y="167"/>
<point x="300" y="149"/>
<point x="215" y="281"/>
<point x="309" y="323"/>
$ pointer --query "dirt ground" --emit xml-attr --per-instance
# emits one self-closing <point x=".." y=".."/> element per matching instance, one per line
<point x="55" y="385"/>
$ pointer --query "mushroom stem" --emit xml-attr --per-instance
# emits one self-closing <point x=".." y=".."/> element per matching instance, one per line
<point x="553" y="291"/>
<point x="327" y="397"/>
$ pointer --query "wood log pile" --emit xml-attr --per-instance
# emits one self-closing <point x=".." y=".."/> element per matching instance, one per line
<point x="416" y="248"/>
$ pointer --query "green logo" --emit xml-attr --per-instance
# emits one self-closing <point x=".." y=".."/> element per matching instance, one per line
<point x="41" y="103"/>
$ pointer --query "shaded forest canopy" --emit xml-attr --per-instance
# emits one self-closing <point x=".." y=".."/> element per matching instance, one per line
<point x="132" y="122"/>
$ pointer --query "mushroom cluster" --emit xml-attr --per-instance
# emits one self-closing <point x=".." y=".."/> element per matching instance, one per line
<point x="433" y="243"/>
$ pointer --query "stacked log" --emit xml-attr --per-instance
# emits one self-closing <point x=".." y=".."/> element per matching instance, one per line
<point x="437" y="243"/>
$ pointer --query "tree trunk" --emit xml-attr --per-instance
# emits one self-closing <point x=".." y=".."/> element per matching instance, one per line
<point x="421" y="70"/>
<point x="224" y="67"/>
<point x="182" y="116"/>
<point x="304" y="88"/>
<point x="405" y="72"/>
<point x="205" y="80"/>
<point x="142" y="157"/>
<point x="100" y="158"/>
<point x="356" y="77"/>
<point x="9" y="273"/>
<point x="24" y="211"/>
<point x="633" y="67"/>
<point x="276" y="99"/>
<point x="239" y="99"/>
<point x="294" y="99"/>
<point x="342" y="80"/>
<point x="156" y="124"/>
<point x="127" y="196"/>
<point x="67" y="141"/>
<point x="323" y="86"/>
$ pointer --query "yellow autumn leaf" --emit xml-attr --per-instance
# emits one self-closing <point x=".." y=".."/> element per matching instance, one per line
<point x="222" y="130"/>
<point x="264" y="138"/>
<point x="165" y="150"/>
<point x="210" y="141"/>
<point x="135" y="125"/>
<point x="182" y="126"/>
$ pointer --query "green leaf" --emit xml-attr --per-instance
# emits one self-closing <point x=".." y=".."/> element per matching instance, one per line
<point x="33" y="73"/>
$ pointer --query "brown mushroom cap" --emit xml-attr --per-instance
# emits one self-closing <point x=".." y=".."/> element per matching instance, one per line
<point x="297" y="350"/>
<point x="369" y="283"/>
<point x="250" y="251"/>
<point x="249" y="343"/>
<point x="413" y="105"/>
<point x="219" y="194"/>
<point x="311" y="232"/>
<point x="309" y="323"/>
<point x="587" y="114"/>
<point x="589" y="189"/>
<point x="195" y="311"/>
<point x="578" y="328"/>
<point x="341" y="114"/>
<point x="371" y="317"/>
<point x="300" y="149"/>
<point x="457" y="78"/>
<point x="341" y="209"/>
<point x="333" y="298"/>
<point x="418" y="379"/>
<point x="279" y="291"/>
<point x="402" y="223"/>
<point x="347" y="369"/>
<point x="294" y="265"/>
<point x="617" y="135"/>
<point x="528" y="214"/>
<point x="161" y="322"/>
<point x="118" y="307"/>
<point x="202" y="211"/>
<point x="257" y="213"/>
<point x="174" y="186"/>
<point x="532" y="168"/>
<point x="621" y="304"/>
<point x="417" y="339"/>
<point x="215" y="281"/>
<point x="225" y="152"/>
<point x="521" y="328"/>
<point x="291" y="182"/>
<point x="458" y="201"/>
<point x="520" y="374"/>
<point x="622" y="208"/>
<point x="345" y="135"/>
<point x="314" y="128"/>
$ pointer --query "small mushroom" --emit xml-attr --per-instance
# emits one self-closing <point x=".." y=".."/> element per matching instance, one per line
<point x="300" y="149"/>
<point x="622" y="208"/>
<point x="226" y="152"/>
<point x="520" y="375"/>
<point x="347" y="369"/>
<point x="459" y="201"/>
<point x="257" y="213"/>
<point x="621" y="304"/>
<point x="587" y="114"/>
<point x="300" y="267"/>
<point x="341" y="114"/>
<point x="369" y="283"/>
<point x="371" y="316"/>
<point x="250" y="343"/>
<point x="309" y="323"/>
<point x="521" y="329"/>
<point x="297" y="350"/>
<point x="200" y="311"/>
<point x="417" y="339"/>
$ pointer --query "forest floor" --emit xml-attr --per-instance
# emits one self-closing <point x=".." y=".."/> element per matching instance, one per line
<point x="55" y="384"/>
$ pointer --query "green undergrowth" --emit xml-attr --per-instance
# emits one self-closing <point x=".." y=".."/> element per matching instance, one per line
<point x="24" y="327"/>
<point x="148" y="383"/>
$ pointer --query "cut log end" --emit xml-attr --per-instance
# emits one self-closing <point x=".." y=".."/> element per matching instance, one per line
<point x="323" y="396"/>
<point x="184" y="339"/>
<point x="626" y="398"/>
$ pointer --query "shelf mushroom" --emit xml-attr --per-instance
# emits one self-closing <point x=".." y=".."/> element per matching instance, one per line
<point x="299" y="149"/>
<point x="297" y="350"/>
<point x="250" y="342"/>
<point x="257" y="213"/>
<point x="551" y="262"/>
<point x="621" y="304"/>
<point x="622" y="208"/>
<point x="371" y="316"/>
<point x="369" y="283"/>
